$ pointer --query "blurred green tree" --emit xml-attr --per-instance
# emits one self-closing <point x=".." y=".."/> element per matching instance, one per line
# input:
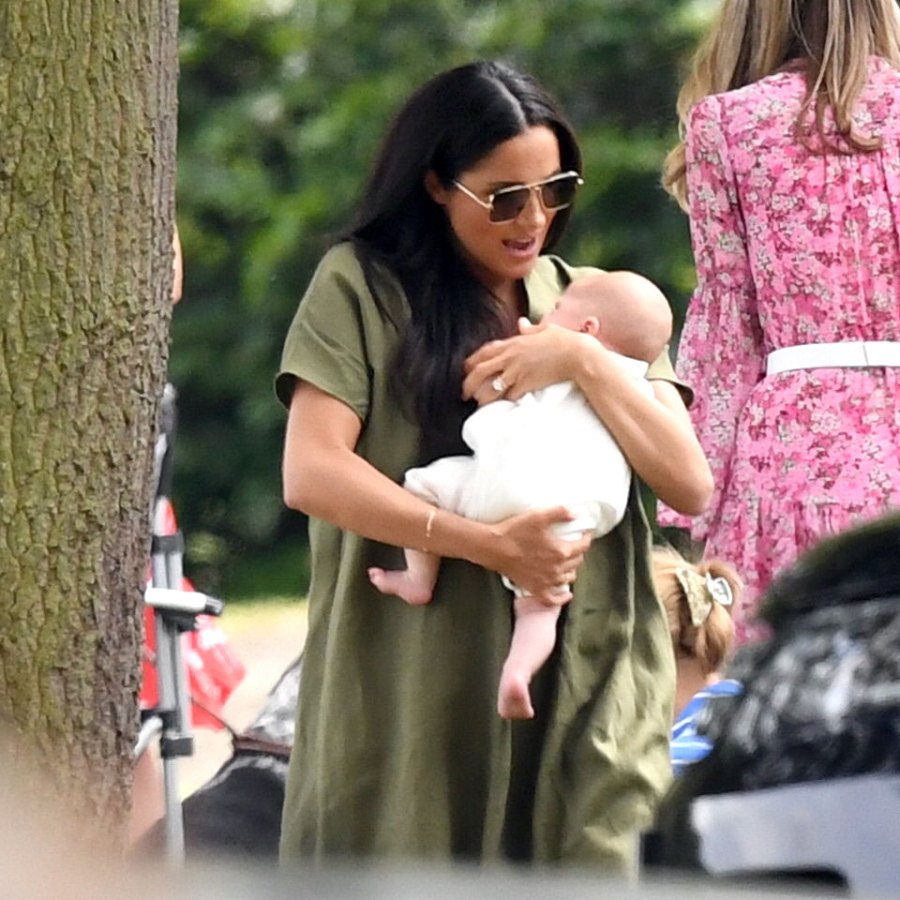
<point x="283" y="104"/>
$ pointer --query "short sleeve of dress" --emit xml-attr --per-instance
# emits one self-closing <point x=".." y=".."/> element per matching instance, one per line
<point x="325" y="344"/>
<point x="661" y="370"/>
<point x="721" y="345"/>
<point x="554" y="275"/>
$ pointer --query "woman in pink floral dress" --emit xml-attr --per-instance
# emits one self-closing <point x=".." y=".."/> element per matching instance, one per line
<point x="790" y="173"/>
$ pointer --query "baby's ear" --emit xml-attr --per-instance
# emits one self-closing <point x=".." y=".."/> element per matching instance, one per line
<point x="591" y="326"/>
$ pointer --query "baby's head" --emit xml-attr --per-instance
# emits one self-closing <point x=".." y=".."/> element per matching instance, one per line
<point x="626" y="312"/>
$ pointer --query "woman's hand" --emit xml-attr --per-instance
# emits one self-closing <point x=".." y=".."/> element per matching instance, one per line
<point x="538" y="356"/>
<point x="534" y="558"/>
<point x="324" y="477"/>
<point x="654" y="432"/>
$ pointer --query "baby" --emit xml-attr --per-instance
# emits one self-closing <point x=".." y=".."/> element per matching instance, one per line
<point x="546" y="449"/>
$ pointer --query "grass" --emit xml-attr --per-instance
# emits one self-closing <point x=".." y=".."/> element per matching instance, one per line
<point x="251" y="614"/>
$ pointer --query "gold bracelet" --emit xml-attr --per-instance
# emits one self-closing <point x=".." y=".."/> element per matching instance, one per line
<point x="428" y="523"/>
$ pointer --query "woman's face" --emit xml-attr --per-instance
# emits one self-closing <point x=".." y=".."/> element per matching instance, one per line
<point x="500" y="254"/>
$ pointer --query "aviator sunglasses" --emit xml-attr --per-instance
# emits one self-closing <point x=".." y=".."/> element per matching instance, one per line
<point x="556" y="192"/>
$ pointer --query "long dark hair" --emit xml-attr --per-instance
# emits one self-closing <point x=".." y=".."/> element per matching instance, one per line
<point x="448" y="125"/>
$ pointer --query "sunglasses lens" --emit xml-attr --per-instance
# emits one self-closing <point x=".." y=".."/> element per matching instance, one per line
<point x="557" y="193"/>
<point x="560" y="192"/>
<point x="509" y="203"/>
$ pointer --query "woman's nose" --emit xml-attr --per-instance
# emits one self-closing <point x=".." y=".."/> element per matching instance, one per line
<point x="534" y="210"/>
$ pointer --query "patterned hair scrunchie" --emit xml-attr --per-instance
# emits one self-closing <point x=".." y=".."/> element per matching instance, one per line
<point x="702" y="591"/>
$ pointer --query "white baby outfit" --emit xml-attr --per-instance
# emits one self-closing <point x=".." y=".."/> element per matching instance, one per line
<point x="548" y="448"/>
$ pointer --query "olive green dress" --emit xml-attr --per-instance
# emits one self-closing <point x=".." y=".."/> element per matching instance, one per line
<point x="399" y="750"/>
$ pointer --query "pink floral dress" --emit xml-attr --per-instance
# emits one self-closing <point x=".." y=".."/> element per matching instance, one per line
<point x="791" y="247"/>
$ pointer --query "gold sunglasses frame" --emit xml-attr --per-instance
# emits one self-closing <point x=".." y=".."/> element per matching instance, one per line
<point x="535" y="186"/>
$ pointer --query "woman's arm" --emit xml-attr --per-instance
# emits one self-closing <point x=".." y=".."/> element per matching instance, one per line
<point x="722" y="321"/>
<point x="655" y="433"/>
<point x="324" y="477"/>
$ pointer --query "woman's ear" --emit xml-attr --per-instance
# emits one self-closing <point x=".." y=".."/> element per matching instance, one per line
<point x="435" y="189"/>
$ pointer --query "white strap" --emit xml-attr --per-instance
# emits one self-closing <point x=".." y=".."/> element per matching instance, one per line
<point x="842" y="354"/>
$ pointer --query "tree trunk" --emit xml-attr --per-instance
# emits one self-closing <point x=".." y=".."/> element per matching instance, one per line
<point x="87" y="161"/>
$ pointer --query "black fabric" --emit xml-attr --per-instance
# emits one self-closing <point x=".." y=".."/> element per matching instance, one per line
<point x="821" y="698"/>
<point x="238" y="813"/>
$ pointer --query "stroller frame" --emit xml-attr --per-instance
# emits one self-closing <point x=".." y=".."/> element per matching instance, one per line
<point x="175" y="613"/>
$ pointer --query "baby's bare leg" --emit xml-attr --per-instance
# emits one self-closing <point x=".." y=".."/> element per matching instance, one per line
<point x="415" y="584"/>
<point x="534" y="635"/>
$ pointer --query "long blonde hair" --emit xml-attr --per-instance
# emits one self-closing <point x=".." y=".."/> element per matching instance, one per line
<point x="709" y="638"/>
<point x="755" y="38"/>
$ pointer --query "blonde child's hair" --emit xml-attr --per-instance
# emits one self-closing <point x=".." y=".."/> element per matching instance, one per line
<point x="709" y="642"/>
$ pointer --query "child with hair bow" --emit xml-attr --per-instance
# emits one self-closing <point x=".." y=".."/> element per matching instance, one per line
<point x="698" y="599"/>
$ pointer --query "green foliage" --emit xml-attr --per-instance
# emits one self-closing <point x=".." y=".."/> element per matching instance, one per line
<point x="283" y="105"/>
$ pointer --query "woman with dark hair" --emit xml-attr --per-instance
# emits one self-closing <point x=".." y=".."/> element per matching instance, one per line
<point x="399" y="751"/>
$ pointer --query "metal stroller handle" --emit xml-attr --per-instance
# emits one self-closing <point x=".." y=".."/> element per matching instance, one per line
<point x="175" y="600"/>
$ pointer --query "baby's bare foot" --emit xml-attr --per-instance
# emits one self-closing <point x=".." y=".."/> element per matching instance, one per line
<point x="513" y="699"/>
<point x="401" y="585"/>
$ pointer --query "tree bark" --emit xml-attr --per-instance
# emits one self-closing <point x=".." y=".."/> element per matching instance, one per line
<point x="87" y="162"/>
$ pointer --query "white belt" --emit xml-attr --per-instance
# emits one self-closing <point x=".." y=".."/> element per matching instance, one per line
<point x="842" y="354"/>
